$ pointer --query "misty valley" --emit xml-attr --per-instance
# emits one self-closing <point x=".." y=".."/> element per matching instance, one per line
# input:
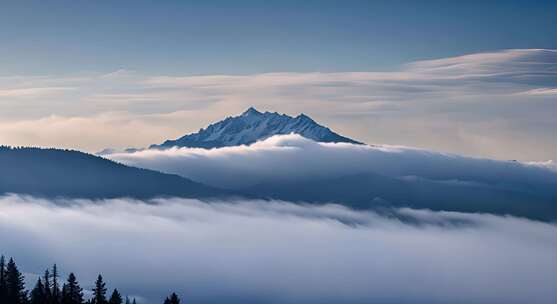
<point x="251" y="196"/>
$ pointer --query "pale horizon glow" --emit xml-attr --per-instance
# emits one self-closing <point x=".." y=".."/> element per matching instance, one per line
<point x="498" y="105"/>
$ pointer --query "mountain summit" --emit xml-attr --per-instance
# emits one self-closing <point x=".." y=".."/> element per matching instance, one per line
<point x="252" y="126"/>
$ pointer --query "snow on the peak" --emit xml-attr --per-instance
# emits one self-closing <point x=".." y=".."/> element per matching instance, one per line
<point x="252" y="126"/>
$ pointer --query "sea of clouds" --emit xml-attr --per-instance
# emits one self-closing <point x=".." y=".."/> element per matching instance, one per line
<point x="278" y="252"/>
<point x="293" y="157"/>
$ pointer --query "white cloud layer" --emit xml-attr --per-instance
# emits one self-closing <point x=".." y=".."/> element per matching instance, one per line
<point x="497" y="104"/>
<point x="277" y="252"/>
<point x="292" y="157"/>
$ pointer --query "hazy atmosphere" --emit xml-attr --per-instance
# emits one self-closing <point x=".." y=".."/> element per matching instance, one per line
<point x="358" y="152"/>
<point x="496" y="104"/>
<point x="277" y="252"/>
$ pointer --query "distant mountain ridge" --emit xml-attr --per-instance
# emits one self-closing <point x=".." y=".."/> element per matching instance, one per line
<point x="371" y="191"/>
<point x="74" y="174"/>
<point x="252" y="126"/>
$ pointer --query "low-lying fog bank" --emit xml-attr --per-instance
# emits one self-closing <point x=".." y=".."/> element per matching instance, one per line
<point x="278" y="252"/>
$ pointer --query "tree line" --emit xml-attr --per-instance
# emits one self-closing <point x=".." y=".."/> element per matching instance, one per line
<point x="48" y="290"/>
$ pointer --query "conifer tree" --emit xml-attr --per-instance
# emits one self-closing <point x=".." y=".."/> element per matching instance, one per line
<point x="55" y="286"/>
<point x="2" y="280"/>
<point x="47" y="287"/>
<point x="115" y="298"/>
<point x="38" y="295"/>
<point x="174" y="299"/>
<point x="64" y="293"/>
<point x="15" y="286"/>
<point x="72" y="293"/>
<point x="99" y="292"/>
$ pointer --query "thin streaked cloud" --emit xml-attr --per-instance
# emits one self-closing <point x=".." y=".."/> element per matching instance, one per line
<point x="473" y="104"/>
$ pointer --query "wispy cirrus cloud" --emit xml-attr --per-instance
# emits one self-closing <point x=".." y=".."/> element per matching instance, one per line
<point x="496" y="104"/>
<point x="524" y="63"/>
<point x="64" y="132"/>
<point x="541" y="91"/>
<point x="33" y="93"/>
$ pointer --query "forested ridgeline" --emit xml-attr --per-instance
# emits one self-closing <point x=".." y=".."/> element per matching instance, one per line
<point x="73" y="174"/>
<point x="49" y="289"/>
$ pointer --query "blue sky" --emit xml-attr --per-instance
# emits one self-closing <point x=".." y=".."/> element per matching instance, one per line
<point x="240" y="37"/>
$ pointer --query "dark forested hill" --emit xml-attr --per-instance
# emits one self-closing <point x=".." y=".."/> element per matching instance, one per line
<point x="67" y="173"/>
<point x="365" y="191"/>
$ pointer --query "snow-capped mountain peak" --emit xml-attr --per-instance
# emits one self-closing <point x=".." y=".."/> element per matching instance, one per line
<point x="251" y="112"/>
<point x="252" y="126"/>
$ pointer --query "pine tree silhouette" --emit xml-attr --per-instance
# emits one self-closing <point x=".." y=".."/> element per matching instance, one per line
<point x="55" y="286"/>
<point x="72" y="293"/>
<point x="2" y="280"/>
<point x="47" y="287"/>
<point x="115" y="298"/>
<point x="64" y="293"/>
<point x="99" y="292"/>
<point x="173" y="299"/>
<point x="15" y="286"/>
<point x="38" y="294"/>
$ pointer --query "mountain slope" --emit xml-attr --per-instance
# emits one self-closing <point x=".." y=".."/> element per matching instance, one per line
<point x="365" y="191"/>
<point x="252" y="126"/>
<point x="65" y="173"/>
